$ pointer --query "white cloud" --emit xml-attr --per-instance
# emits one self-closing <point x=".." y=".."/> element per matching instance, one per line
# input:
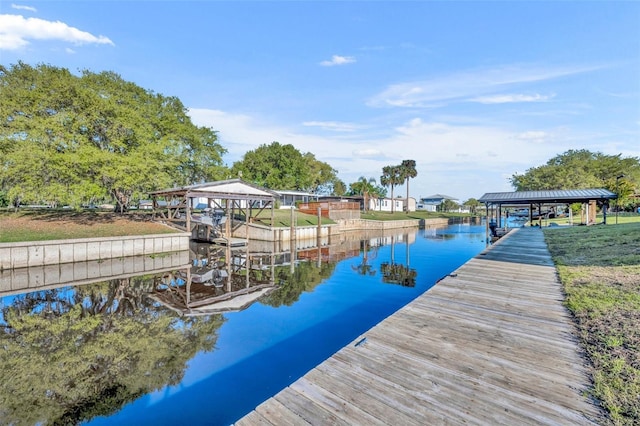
<point x="338" y="60"/>
<point x="367" y="153"/>
<point x="16" y="31"/>
<point x="332" y="125"/>
<point x="534" y="136"/>
<point x="465" y="160"/>
<point x="23" y="7"/>
<point x="466" y="85"/>
<point x="511" y="98"/>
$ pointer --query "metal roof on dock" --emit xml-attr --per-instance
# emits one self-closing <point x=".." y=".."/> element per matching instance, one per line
<point x="547" y="196"/>
<point x="226" y="189"/>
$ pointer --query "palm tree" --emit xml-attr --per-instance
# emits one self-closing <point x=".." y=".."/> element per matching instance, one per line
<point x="391" y="176"/>
<point x="365" y="187"/>
<point x="409" y="171"/>
<point x="473" y="204"/>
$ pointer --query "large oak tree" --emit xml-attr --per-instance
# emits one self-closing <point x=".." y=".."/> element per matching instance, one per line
<point x="277" y="166"/>
<point x="581" y="169"/>
<point x="67" y="139"/>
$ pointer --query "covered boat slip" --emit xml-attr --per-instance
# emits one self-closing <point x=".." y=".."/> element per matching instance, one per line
<point x="489" y="344"/>
<point x="225" y="200"/>
<point x="590" y="199"/>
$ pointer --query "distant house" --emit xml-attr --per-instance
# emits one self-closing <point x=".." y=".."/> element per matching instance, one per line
<point x="290" y="198"/>
<point x="145" y="205"/>
<point x="433" y="202"/>
<point x="385" y="204"/>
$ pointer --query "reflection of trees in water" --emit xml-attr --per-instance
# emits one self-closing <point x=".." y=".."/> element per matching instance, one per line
<point x="305" y="277"/>
<point x="398" y="274"/>
<point x="69" y="355"/>
<point x="363" y="268"/>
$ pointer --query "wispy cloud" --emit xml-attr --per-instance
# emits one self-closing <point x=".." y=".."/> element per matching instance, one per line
<point x="338" y="60"/>
<point x="367" y="153"/>
<point x="16" y="31"/>
<point x="511" y="98"/>
<point x="535" y="136"/>
<point x="333" y="125"/>
<point x="23" y="7"/>
<point x="472" y="84"/>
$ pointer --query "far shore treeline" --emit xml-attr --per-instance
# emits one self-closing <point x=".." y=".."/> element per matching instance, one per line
<point x="72" y="140"/>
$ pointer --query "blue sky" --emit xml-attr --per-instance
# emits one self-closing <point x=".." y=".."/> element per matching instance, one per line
<point x="473" y="91"/>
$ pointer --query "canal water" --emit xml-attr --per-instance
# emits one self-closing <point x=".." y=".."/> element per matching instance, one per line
<point x="173" y="347"/>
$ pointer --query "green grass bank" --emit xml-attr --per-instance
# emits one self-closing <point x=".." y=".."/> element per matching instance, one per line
<point x="599" y="267"/>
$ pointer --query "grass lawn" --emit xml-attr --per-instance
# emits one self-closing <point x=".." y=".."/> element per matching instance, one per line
<point x="282" y="218"/>
<point x="599" y="267"/>
<point x="42" y="225"/>
<point x="376" y="215"/>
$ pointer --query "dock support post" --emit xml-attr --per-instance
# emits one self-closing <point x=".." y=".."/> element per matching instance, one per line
<point x="292" y="240"/>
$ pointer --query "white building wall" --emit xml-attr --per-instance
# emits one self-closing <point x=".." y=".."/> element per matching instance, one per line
<point x="384" y="204"/>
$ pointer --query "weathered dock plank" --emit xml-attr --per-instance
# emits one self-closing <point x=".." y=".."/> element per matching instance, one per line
<point x="489" y="344"/>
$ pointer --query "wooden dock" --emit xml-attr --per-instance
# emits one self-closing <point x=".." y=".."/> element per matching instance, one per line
<point x="490" y="344"/>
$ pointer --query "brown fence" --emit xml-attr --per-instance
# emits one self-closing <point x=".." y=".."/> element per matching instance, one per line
<point x="335" y="210"/>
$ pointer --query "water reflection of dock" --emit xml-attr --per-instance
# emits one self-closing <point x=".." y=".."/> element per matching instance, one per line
<point x="226" y="278"/>
<point x="220" y="279"/>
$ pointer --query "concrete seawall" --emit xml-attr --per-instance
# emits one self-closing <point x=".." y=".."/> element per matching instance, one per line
<point x="21" y="280"/>
<point x="266" y="233"/>
<point x="363" y="224"/>
<point x="42" y="253"/>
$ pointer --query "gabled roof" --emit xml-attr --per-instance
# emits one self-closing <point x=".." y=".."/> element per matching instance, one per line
<point x="438" y="197"/>
<point x="224" y="189"/>
<point x="293" y="192"/>
<point x="547" y="196"/>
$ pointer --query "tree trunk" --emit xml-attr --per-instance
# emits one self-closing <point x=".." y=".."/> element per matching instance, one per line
<point x="406" y="209"/>
<point x="122" y="201"/>
<point x="393" y="201"/>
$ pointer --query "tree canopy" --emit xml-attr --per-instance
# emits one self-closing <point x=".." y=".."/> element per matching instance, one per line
<point x="393" y="176"/>
<point x="448" y="205"/>
<point x="278" y="166"/>
<point x="581" y="169"/>
<point x="472" y="204"/>
<point x="67" y="139"/>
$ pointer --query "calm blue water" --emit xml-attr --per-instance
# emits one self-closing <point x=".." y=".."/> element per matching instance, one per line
<point x="217" y="368"/>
